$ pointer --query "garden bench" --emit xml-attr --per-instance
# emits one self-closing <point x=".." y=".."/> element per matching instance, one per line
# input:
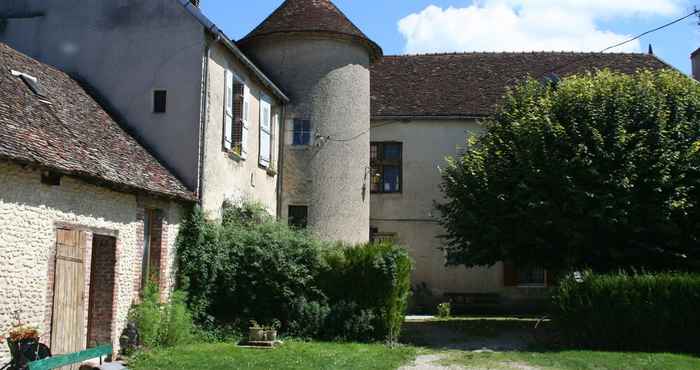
<point x="71" y="358"/>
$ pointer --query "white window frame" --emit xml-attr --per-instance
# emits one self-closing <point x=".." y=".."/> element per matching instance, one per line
<point x="265" y="131"/>
<point x="232" y="79"/>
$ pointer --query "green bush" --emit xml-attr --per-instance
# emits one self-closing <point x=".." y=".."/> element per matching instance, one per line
<point x="648" y="312"/>
<point x="377" y="277"/>
<point x="162" y="324"/>
<point x="265" y="271"/>
<point x="444" y="310"/>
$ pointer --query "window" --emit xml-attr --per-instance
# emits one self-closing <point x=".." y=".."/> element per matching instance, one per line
<point x="532" y="277"/>
<point x="236" y="115"/>
<point x="152" y="229"/>
<point x="31" y="82"/>
<point x="386" y="162"/>
<point x="298" y="216"/>
<point x="160" y="99"/>
<point x="265" y="152"/>
<point x="378" y="237"/>
<point x="302" y="132"/>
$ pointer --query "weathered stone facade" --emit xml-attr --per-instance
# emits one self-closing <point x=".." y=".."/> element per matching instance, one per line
<point x="30" y="214"/>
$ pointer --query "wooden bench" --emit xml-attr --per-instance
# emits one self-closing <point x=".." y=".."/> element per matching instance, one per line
<point x="71" y="358"/>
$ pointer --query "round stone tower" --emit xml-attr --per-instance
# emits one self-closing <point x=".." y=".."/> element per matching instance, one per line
<point x="321" y="60"/>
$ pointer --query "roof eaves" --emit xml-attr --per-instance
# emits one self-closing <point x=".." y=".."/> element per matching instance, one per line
<point x="98" y="181"/>
<point x="221" y="36"/>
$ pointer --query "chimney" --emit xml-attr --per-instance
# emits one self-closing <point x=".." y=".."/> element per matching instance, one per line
<point x="695" y="59"/>
<point x="195" y="3"/>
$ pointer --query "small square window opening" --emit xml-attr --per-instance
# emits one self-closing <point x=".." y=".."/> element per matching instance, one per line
<point x="302" y="132"/>
<point x="160" y="100"/>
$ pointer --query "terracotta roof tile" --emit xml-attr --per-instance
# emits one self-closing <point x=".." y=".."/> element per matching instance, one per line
<point x="472" y="84"/>
<point x="69" y="132"/>
<point x="311" y="16"/>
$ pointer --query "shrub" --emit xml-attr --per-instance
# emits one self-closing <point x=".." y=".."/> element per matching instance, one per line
<point x="649" y="312"/>
<point x="376" y="277"/>
<point x="444" y="310"/>
<point x="251" y="267"/>
<point x="162" y="325"/>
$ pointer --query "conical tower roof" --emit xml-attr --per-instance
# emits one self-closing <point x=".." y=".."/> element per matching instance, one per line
<point x="311" y="16"/>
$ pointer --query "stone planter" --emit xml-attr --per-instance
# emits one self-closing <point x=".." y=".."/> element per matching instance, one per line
<point x="256" y="335"/>
<point x="271" y="335"/>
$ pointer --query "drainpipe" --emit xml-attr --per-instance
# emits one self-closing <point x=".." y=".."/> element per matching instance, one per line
<point x="204" y="117"/>
<point x="280" y="161"/>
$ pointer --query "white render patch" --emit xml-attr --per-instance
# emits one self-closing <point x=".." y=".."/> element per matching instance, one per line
<point x="29" y="215"/>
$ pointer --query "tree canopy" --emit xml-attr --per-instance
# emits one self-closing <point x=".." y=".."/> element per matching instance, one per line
<point x="598" y="171"/>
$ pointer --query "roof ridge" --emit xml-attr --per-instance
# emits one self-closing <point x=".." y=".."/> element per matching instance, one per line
<point x="456" y="53"/>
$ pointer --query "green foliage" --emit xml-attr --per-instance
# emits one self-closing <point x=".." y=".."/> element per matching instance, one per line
<point x="162" y="324"/>
<point x="601" y="171"/>
<point x="631" y="311"/>
<point x="266" y="271"/>
<point x="376" y="277"/>
<point x="444" y="310"/>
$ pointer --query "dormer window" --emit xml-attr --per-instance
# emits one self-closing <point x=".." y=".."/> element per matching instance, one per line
<point x="31" y="82"/>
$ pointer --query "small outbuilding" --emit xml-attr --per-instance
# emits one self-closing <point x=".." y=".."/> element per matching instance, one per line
<point x="87" y="213"/>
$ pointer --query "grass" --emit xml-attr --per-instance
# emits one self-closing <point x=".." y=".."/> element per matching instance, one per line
<point x="574" y="360"/>
<point x="291" y="355"/>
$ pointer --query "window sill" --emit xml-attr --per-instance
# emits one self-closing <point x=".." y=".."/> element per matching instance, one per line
<point x="531" y="286"/>
<point x="235" y="156"/>
<point x="299" y="147"/>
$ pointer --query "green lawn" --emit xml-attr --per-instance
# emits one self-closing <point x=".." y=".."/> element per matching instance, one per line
<point x="291" y="355"/>
<point x="574" y="360"/>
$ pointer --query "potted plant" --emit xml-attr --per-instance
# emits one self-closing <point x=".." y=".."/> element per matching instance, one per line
<point x="271" y="331"/>
<point x="256" y="333"/>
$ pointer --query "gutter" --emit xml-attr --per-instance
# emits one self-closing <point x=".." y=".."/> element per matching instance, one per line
<point x="203" y="119"/>
<point x="424" y="117"/>
<point x="280" y="161"/>
<point x="221" y="36"/>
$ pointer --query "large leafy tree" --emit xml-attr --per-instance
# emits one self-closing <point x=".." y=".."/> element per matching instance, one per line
<point x="599" y="171"/>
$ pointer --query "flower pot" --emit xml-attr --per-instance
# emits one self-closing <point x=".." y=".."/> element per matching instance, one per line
<point x="271" y="335"/>
<point x="256" y="335"/>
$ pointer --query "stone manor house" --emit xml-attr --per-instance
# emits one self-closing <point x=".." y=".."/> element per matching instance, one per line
<point x="162" y="110"/>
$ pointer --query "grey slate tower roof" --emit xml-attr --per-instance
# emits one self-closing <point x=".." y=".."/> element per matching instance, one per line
<point x="312" y="16"/>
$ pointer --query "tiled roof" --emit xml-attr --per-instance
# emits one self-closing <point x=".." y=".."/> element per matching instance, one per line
<point x="472" y="84"/>
<point x="67" y="131"/>
<point x="311" y="16"/>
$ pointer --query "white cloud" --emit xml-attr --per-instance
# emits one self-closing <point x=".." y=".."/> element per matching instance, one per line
<point x="527" y="25"/>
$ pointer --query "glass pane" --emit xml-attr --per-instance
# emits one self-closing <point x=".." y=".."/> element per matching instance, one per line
<point x="392" y="151"/>
<point x="391" y="179"/>
<point x="376" y="185"/>
<point x="373" y="152"/>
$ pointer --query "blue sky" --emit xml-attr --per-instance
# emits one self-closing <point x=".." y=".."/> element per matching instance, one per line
<point x="420" y="26"/>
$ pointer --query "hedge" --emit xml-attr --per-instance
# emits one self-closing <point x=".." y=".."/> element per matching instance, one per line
<point x="638" y="311"/>
<point x="251" y="267"/>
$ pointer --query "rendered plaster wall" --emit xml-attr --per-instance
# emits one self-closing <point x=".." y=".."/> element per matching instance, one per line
<point x="411" y="214"/>
<point x="328" y="83"/>
<point x="122" y="50"/>
<point x="228" y="177"/>
<point x="30" y="213"/>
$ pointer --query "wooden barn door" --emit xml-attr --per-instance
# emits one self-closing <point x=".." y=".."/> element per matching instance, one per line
<point x="67" y="326"/>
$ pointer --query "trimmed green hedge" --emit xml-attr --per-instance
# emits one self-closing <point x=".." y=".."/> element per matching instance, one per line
<point x="377" y="278"/>
<point x="647" y="312"/>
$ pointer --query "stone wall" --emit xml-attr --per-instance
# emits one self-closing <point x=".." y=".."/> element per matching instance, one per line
<point x="30" y="213"/>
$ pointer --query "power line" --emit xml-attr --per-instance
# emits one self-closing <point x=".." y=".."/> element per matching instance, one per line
<point x="694" y="12"/>
<point x="651" y="31"/>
